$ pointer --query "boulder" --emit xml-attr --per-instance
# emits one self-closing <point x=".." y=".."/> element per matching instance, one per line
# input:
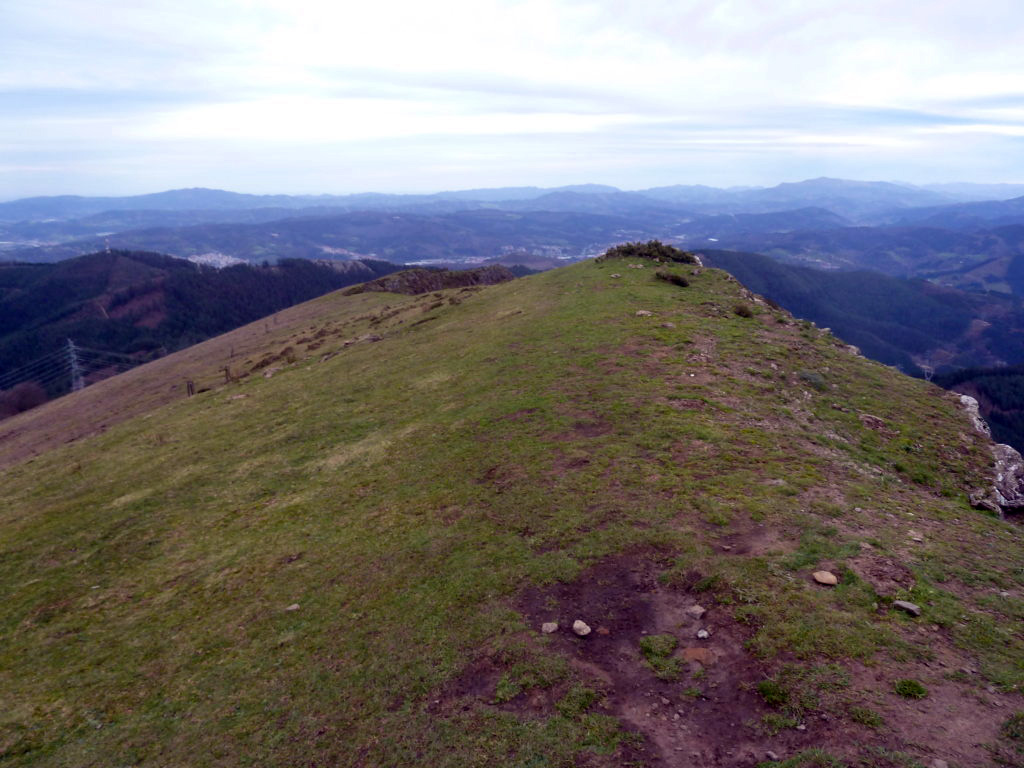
<point x="548" y="627"/>
<point x="826" y="577"/>
<point x="581" y="628"/>
<point x="907" y="607"/>
<point x="974" y="414"/>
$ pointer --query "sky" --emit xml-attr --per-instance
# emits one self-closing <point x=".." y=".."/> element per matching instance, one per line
<point x="112" y="97"/>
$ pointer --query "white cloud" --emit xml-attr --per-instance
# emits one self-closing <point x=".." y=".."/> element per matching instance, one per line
<point x="112" y="76"/>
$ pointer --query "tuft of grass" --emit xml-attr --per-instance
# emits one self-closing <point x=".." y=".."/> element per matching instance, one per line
<point x="773" y="693"/>
<point x="813" y="379"/>
<point x="743" y="310"/>
<point x="1012" y="728"/>
<point x="811" y="758"/>
<point x="672" y="277"/>
<point x="910" y="689"/>
<point x="658" y="651"/>
<point x="865" y="716"/>
<point x="577" y="701"/>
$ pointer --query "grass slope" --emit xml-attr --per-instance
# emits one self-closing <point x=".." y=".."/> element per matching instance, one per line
<point x="346" y="563"/>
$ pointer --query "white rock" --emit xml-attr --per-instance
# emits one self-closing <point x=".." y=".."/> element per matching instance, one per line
<point x="292" y="607"/>
<point x="548" y="627"/>
<point x="703" y="634"/>
<point x="696" y="611"/>
<point x="580" y="628"/>
<point x="908" y="607"/>
<point x="825" y="577"/>
<point x="644" y="313"/>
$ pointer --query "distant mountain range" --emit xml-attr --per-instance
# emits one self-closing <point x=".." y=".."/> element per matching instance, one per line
<point x="940" y="233"/>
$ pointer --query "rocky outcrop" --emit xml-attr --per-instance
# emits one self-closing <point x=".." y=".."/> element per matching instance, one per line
<point x="415" y="281"/>
<point x="974" y="413"/>
<point x="1006" y="493"/>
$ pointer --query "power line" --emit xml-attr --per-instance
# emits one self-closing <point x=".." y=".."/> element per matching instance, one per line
<point x="38" y="362"/>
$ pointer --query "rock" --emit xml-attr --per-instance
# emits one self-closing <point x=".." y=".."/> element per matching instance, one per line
<point x="1009" y="482"/>
<point x="703" y="656"/>
<point x="644" y="313"/>
<point x="937" y="763"/>
<point x="580" y="628"/>
<point x="703" y="634"/>
<point x="616" y="275"/>
<point x="603" y="631"/>
<point x="548" y="627"/>
<point x="801" y="727"/>
<point x="826" y="578"/>
<point x="910" y="608"/>
<point x="292" y="607"/>
<point x="1007" y="489"/>
<point x="665" y="701"/>
<point x="668" y="325"/>
<point x="915" y="536"/>
<point x="974" y="414"/>
<point x="696" y="611"/>
<point x="771" y="755"/>
<point x="871" y="422"/>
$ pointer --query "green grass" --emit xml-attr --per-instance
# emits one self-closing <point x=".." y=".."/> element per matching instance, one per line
<point x="658" y="651"/>
<point x="910" y="689"/>
<point x="405" y="493"/>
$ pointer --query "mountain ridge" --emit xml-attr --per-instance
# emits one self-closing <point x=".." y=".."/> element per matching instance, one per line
<point x="346" y="556"/>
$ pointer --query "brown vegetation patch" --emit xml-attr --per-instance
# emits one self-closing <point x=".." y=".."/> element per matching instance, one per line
<point x="702" y="718"/>
<point x="886" y="577"/>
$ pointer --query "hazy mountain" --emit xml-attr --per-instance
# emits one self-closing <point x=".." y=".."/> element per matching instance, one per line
<point x="967" y="192"/>
<point x="962" y="216"/>
<point x="461" y="236"/>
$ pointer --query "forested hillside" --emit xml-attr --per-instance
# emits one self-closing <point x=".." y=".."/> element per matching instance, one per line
<point x="145" y="304"/>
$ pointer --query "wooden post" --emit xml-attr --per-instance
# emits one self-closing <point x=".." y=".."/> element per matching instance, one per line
<point x="191" y="387"/>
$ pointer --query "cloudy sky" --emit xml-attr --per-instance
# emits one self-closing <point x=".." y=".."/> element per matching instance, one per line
<point x="130" y="96"/>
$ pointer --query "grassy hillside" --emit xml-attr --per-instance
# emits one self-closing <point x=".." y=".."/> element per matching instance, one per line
<point x="348" y="562"/>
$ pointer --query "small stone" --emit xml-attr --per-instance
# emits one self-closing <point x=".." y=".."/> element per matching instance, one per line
<point x="548" y="627"/>
<point x="937" y="763"/>
<point x="292" y="607"/>
<point x="644" y="313"/>
<point x="915" y="536"/>
<point x="1004" y="593"/>
<point x="801" y="727"/>
<point x="825" y="577"/>
<point x="910" y="608"/>
<point x="616" y="275"/>
<point x="665" y="701"/>
<point x="668" y="325"/>
<point x="696" y="611"/>
<point x="771" y="755"/>
<point x="703" y="634"/>
<point x="580" y="628"/>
